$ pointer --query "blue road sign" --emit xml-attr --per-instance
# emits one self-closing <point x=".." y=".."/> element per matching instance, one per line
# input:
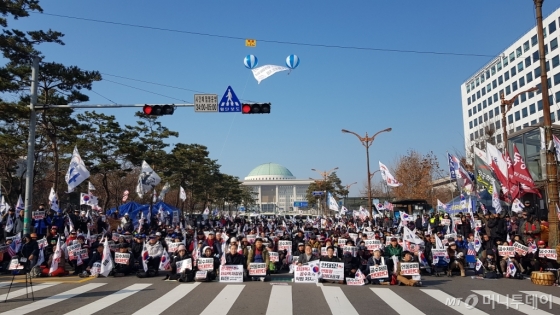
<point x="229" y="102"/>
<point x="318" y="193"/>
<point x="301" y="204"/>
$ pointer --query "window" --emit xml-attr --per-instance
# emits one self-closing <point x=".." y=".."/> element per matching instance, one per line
<point x="510" y="119"/>
<point x="484" y="104"/>
<point x="536" y="56"/>
<point x="523" y="97"/>
<point x="495" y="97"/>
<point x="508" y="90"/>
<point x="524" y="112"/>
<point x="533" y="122"/>
<point x="478" y="94"/>
<point x="520" y="66"/>
<point x="539" y="105"/>
<point x="483" y="91"/>
<point x="472" y="137"/>
<point x="494" y="84"/>
<point x="517" y="116"/>
<point x="555" y="61"/>
<point x="552" y="27"/>
<point x="470" y="113"/>
<point x="477" y="81"/>
<point x="552" y="117"/>
<point x="553" y="44"/>
<point x="491" y="114"/>
<point x="506" y="76"/>
<point x="518" y="128"/>
<point x="488" y="87"/>
<point x="485" y="117"/>
<point x="480" y="119"/>
<point x="469" y="101"/>
<point x="546" y="49"/>
<point x="497" y="111"/>
<point x="529" y="77"/>
<point x="539" y="87"/>
<point x="511" y="57"/>
<point x="526" y="46"/>
<point x="498" y="138"/>
<point x="522" y="82"/>
<point x="487" y="74"/>
<point x="468" y="88"/>
<point x="532" y="109"/>
<point x="547" y="65"/>
<point x="500" y="80"/>
<point x="530" y="95"/>
<point x="544" y="32"/>
<point x="527" y="62"/>
<point x="516" y="102"/>
<point x="558" y="113"/>
<point x="498" y="124"/>
<point x="474" y="110"/>
<point x="557" y="97"/>
<point x="482" y="78"/>
<point x="557" y="79"/>
<point x="479" y="107"/>
<point x="537" y="72"/>
<point x="514" y="86"/>
<point x="534" y="41"/>
<point x="499" y="65"/>
<point x="476" y="133"/>
<point x="470" y="125"/>
<point x="475" y="122"/>
<point x="505" y="61"/>
<point x="493" y="70"/>
<point x="513" y="71"/>
<point x="490" y="101"/>
<point x="518" y="51"/>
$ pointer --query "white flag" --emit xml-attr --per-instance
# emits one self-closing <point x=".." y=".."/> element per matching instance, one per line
<point x="441" y="205"/>
<point x="53" y="200"/>
<point x="56" y="257"/>
<point x="387" y="177"/>
<point x="90" y="186"/>
<point x="147" y="180"/>
<point x="496" y="199"/>
<point x="517" y="206"/>
<point x="3" y="205"/>
<point x="266" y="71"/>
<point x="333" y="205"/>
<point x="182" y="194"/>
<point x="164" y="191"/>
<point x="20" y="205"/>
<point x="107" y="260"/>
<point x="556" y="147"/>
<point x="77" y="171"/>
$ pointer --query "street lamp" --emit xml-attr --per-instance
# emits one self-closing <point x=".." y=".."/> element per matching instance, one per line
<point x="366" y="142"/>
<point x="348" y="191"/>
<point x="325" y="175"/>
<point x="505" y="109"/>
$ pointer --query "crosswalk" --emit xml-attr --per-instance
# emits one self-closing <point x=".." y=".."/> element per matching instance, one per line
<point x="281" y="299"/>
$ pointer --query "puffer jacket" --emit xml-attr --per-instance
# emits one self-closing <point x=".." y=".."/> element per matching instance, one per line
<point x="155" y="250"/>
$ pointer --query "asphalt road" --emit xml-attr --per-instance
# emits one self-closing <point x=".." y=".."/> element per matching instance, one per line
<point x="129" y="295"/>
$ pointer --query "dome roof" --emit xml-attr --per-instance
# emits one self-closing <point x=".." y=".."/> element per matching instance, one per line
<point x="270" y="171"/>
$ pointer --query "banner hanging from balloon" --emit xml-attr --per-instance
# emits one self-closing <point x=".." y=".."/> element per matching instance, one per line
<point x="266" y="71"/>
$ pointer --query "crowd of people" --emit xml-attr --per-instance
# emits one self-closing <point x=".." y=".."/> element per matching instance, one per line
<point x="178" y="248"/>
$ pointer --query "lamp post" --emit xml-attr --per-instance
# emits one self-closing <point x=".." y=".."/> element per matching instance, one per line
<point x="325" y="175"/>
<point x="505" y="106"/>
<point x="348" y="191"/>
<point x="551" y="168"/>
<point x="366" y="142"/>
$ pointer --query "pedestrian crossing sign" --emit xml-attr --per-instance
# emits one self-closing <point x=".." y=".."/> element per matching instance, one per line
<point x="229" y="102"/>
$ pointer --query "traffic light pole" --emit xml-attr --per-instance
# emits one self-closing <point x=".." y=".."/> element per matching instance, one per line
<point x="104" y="106"/>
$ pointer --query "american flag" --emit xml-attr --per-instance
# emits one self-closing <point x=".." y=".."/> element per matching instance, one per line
<point x="12" y="250"/>
<point x="471" y="251"/>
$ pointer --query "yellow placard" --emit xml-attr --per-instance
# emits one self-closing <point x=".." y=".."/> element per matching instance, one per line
<point x="251" y="42"/>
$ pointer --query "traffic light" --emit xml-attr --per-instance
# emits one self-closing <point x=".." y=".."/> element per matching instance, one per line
<point x="256" y="108"/>
<point x="158" y="110"/>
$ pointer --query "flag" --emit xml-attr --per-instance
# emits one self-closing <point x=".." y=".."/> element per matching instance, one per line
<point x="56" y="257"/>
<point x="464" y="178"/>
<point x="4" y="206"/>
<point x="145" y="256"/>
<point x="90" y="186"/>
<point x="513" y="184"/>
<point x="482" y="154"/>
<point x="20" y="205"/>
<point x="154" y="196"/>
<point x="556" y="147"/>
<point x="470" y="250"/>
<point x="496" y="199"/>
<point x="522" y="175"/>
<point x="9" y="224"/>
<point x="14" y="246"/>
<point x="343" y="210"/>
<point x="511" y="270"/>
<point x="77" y="171"/>
<point x="387" y="205"/>
<point x="165" y="262"/>
<point x="387" y="176"/>
<point x="498" y="164"/>
<point x="452" y="169"/>
<point x="333" y="205"/>
<point x="107" y="260"/>
<point x="485" y="177"/>
<point x="53" y="200"/>
<point x="182" y="194"/>
<point x="441" y="205"/>
<point x="558" y="211"/>
<point x="164" y="191"/>
<point x="478" y="264"/>
<point x="41" y="258"/>
<point x="147" y="180"/>
<point x="517" y="206"/>
<point x="359" y="275"/>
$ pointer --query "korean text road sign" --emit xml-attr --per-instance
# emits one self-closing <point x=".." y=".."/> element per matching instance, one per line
<point x="205" y="103"/>
<point x="229" y="102"/>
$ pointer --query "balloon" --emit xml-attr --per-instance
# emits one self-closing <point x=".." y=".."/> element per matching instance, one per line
<point x="292" y="61"/>
<point x="250" y="61"/>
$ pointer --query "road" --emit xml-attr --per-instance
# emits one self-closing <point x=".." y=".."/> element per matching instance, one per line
<point x="131" y="295"/>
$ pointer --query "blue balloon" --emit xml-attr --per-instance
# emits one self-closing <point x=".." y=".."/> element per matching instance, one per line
<point x="250" y="61"/>
<point x="292" y="61"/>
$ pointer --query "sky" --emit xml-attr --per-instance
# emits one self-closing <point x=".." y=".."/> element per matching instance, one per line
<point x="417" y="94"/>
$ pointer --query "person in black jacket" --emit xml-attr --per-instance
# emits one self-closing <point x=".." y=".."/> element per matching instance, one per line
<point x="29" y="251"/>
<point x="122" y="270"/>
<point x="210" y="274"/>
<point x="188" y="274"/>
<point x="234" y="258"/>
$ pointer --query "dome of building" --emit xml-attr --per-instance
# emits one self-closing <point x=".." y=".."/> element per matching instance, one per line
<point x="270" y="171"/>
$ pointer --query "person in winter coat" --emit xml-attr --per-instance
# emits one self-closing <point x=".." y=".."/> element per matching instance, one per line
<point x="29" y="250"/>
<point x="258" y="254"/>
<point x="186" y="275"/>
<point x="394" y="249"/>
<point x="498" y="227"/>
<point x="456" y="259"/>
<point x="375" y="261"/>
<point x="210" y="274"/>
<point x="155" y="251"/>
<point x="60" y="270"/>
<point x="531" y="228"/>
<point x="122" y="270"/>
<point x="307" y="256"/>
<point x="405" y="279"/>
<point x="234" y="258"/>
<point x="351" y="265"/>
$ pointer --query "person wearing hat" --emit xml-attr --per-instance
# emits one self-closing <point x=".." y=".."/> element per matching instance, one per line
<point x="393" y="249"/>
<point x="259" y="254"/>
<point x="123" y="269"/>
<point x="375" y="261"/>
<point x="299" y="238"/>
<point x="300" y="249"/>
<point x="59" y="269"/>
<point x="490" y="265"/>
<point x="307" y="255"/>
<point x="185" y="275"/>
<point x="155" y="251"/>
<point x="96" y="257"/>
<point x="330" y="257"/>
<point x="406" y="279"/>
<point x="212" y="273"/>
<point x="456" y="259"/>
<point x="29" y="251"/>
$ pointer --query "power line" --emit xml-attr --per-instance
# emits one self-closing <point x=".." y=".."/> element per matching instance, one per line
<point x="271" y="41"/>
<point x="104" y="97"/>
<point x="143" y="90"/>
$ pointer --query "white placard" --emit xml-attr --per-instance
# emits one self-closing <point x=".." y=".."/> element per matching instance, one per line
<point x="122" y="258"/>
<point x="273" y="256"/>
<point x="183" y="265"/>
<point x="372" y="244"/>
<point x="257" y="269"/>
<point x="304" y="274"/>
<point x="410" y="269"/>
<point x="205" y="263"/>
<point x="378" y="272"/>
<point x="332" y="270"/>
<point x="231" y="273"/>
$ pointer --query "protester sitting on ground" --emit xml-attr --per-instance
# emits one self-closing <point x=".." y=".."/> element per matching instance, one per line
<point x="375" y="261"/>
<point x="406" y="279"/>
<point x="307" y="256"/>
<point x="122" y="270"/>
<point x="60" y="264"/>
<point x="210" y="274"/>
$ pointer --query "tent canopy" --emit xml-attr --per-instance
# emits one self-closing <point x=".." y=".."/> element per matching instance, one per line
<point x="134" y="210"/>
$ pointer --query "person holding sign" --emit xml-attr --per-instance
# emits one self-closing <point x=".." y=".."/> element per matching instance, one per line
<point x="123" y="261"/>
<point x="394" y="249"/>
<point x="401" y="276"/>
<point x="456" y="259"/>
<point x="543" y="263"/>
<point x="187" y="274"/>
<point x="375" y="261"/>
<point x="307" y="256"/>
<point x="259" y="255"/>
<point x="211" y="273"/>
<point x="331" y="258"/>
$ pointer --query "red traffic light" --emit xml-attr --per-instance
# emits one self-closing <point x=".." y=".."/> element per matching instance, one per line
<point x="158" y="110"/>
<point x="256" y="108"/>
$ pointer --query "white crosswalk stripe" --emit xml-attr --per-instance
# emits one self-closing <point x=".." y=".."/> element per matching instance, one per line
<point x="399" y="304"/>
<point x="280" y="299"/>
<point x="443" y="297"/>
<point x="160" y="305"/>
<point x="109" y="300"/>
<point x="511" y="304"/>
<point x="17" y="293"/>
<point x="224" y="300"/>
<point x="53" y="299"/>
